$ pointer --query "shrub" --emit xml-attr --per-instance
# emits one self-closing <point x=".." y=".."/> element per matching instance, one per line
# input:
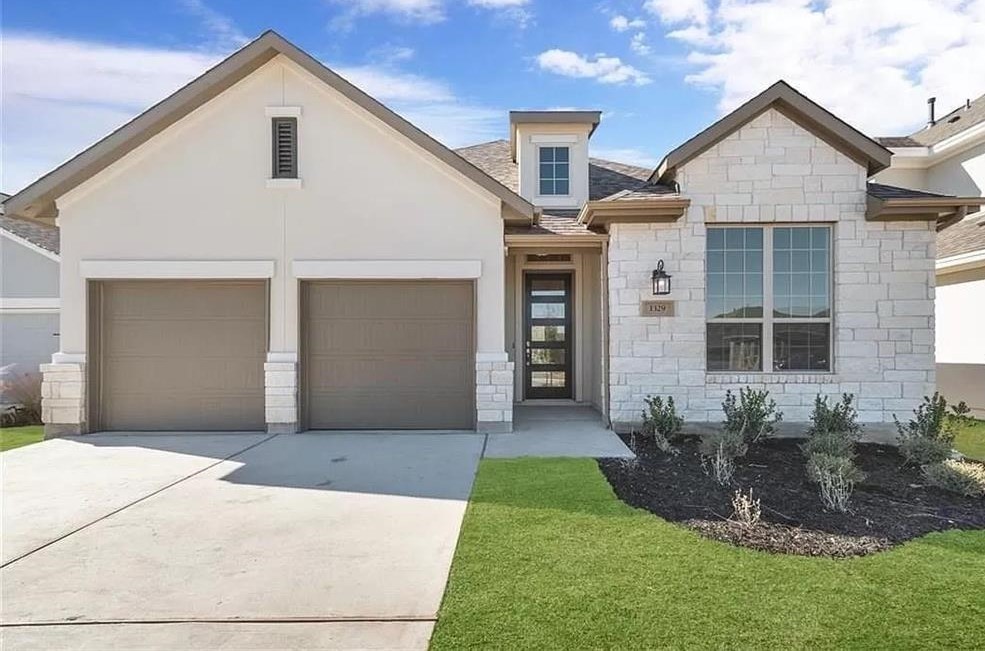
<point x="921" y="452"/>
<point x="962" y="477"/>
<point x="934" y="420"/>
<point x="721" y="449"/>
<point x="753" y="417"/>
<point x="23" y="392"/>
<point x="833" y="444"/>
<point x="840" y="418"/>
<point x="745" y="510"/>
<point x="836" y="478"/>
<point x="662" y="422"/>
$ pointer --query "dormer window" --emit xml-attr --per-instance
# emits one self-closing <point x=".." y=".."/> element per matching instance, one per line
<point x="555" y="172"/>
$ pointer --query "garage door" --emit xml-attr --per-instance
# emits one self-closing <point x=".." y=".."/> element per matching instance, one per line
<point x="180" y="355"/>
<point x="388" y="355"/>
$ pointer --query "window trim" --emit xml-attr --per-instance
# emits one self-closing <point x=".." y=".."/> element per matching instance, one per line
<point x="555" y="179"/>
<point x="768" y="320"/>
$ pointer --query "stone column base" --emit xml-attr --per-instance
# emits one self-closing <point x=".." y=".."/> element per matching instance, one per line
<point x="281" y="397"/>
<point x="63" y="399"/>
<point x="494" y="395"/>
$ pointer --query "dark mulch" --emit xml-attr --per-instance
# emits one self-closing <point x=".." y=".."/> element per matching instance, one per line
<point x="891" y="506"/>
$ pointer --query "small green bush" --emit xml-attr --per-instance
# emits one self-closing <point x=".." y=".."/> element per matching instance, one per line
<point x="933" y="420"/>
<point x="841" y="417"/>
<point x="919" y="451"/>
<point x="836" y="478"/>
<point x="662" y="422"/>
<point x="720" y="451"/>
<point x="834" y="444"/>
<point x="962" y="477"/>
<point x="753" y="416"/>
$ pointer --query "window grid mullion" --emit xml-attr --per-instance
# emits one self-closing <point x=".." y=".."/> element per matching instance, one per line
<point x="767" y="345"/>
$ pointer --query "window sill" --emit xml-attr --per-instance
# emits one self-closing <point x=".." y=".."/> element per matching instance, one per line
<point x="284" y="184"/>
<point x="760" y="377"/>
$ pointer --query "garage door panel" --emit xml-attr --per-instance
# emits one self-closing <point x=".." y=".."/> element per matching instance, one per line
<point x="182" y="355"/>
<point x="387" y="355"/>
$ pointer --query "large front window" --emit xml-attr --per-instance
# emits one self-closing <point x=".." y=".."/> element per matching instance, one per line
<point x="554" y="170"/>
<point x="769" y="298"/>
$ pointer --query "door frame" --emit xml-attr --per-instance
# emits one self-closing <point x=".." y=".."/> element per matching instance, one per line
<point x="548" y="393"/>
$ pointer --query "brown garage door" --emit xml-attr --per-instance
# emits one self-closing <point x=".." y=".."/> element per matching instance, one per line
<point x="179" y="355"/>
<point x="388" y="355"/>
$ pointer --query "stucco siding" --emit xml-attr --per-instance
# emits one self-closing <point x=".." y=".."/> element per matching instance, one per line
<point x="962" y="175"/>
<point x="25" y="273"/>
<point x="774" y="171"/>
<point x="915" y="179"/>
<point x="27" y="340"/>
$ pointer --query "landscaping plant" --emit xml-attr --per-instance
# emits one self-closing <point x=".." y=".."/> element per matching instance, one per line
<point x="720" y="450"/>
<point x="962" y="477"/>
<point x="830" y="450"/>
<point x="662" y="422"/>
<point x="753" y="416"/>
<point x="22" y="393"/>
<point x="745" y="509"/>
<point x="927" y="438"/>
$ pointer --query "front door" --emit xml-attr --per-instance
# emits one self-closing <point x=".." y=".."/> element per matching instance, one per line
<point x="548" y="336"/>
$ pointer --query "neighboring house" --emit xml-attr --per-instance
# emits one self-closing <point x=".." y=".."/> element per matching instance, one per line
<point x="28" y="295"/>
<point x="321" y="263"/>
<point x="948" y="156"/>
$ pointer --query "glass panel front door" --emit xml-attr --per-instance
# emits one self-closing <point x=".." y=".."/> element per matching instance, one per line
<point x="548" y="332"/>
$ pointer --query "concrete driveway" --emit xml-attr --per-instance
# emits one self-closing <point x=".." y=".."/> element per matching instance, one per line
<point x="231" y="541"/>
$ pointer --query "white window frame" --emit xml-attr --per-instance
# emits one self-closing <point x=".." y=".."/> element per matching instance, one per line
<point x="768" y="320"/>
<point x="553" y="145"/>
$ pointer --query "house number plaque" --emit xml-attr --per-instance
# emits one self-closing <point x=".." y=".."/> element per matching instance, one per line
<point x="657" y="308"/>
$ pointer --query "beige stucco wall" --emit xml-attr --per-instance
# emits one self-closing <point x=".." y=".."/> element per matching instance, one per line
<point x="960" y="342"/>
<point x="774" y="171"/>
<point x="962" y="175"/>
<point x="915" y="179"/>
<point x="529" y="138"/>
<point x="198" y="191"/>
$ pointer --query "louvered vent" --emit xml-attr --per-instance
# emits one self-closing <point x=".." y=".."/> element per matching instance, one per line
<point x="285" y="145"/>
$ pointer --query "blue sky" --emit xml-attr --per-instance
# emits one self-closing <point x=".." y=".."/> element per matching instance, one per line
<point x="660" y="70"/>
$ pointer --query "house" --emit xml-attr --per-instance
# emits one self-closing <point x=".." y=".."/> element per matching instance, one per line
<point x="947" y="156"/>
<point x="28" y="295"/>
<point x="320" y="263"/>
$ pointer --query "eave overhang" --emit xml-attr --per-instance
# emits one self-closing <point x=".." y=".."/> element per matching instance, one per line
<point x="597" y="215"/>
<point x="945" y="211"/>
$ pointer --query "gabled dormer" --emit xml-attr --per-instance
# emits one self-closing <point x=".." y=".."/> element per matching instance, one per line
<point x="550" y="149"/>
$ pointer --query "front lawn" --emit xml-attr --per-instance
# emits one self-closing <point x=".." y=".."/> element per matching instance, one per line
<point x="15" y="437"/>
<point x="970" y="440"/>
<point x="549" y="558"/>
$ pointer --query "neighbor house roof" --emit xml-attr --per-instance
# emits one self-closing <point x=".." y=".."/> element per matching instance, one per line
<point x="38" y="198"/>
<point x="965" y="237"/>
<point x="38" y="234"/>
<point x="812" y="116"/>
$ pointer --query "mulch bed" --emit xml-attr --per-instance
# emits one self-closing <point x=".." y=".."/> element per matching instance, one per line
<point x="891" y="506"/>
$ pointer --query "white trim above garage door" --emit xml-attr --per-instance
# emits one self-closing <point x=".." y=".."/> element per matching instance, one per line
<point x="178" y="269"/>
<point x="386" y="269"/>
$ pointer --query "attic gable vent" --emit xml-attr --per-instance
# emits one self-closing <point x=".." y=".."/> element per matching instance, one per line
<point x="285" y="148"/>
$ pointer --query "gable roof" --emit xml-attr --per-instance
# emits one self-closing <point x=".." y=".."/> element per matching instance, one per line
<point x="40" y="235"/>
<point x="967" y="236"/>
<point x="797" y="107"/>
<point x="38" y="198"/>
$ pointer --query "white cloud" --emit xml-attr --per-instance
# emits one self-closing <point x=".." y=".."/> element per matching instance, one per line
<point x="621" y="23"/>
<point x="679" y="11"/>
<point x="416" y="11"/>
<point x="639" y="45"/>
<point x="604" y="69"/>
<point x="224" y="33"/>
<point x="498" y="4"/>
<point x="59" y="96"/>
<point x="872" y="63"/>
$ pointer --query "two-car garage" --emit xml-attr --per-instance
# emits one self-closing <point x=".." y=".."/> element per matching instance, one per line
<point x="189" y="354"/>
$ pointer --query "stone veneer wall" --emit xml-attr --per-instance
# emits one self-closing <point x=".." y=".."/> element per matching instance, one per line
<point x="63" y="399"/>
<point x="281" y="396"/>
<point x="774" y="171"/>
<point x="494" y="395"/>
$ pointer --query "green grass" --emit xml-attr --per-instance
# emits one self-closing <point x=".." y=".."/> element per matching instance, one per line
<point x="15" y="437"/>
<point x="970" y="440"/>
<point x="549" y="558"/>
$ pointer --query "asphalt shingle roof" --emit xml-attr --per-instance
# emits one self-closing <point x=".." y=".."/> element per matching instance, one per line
<point x="966" y="236"/>
<point x="960" y="119"/>
<point x="38" y="234"/>
<point x="883" y="191"/>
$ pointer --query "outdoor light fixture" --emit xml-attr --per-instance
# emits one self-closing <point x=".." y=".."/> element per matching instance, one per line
<point x="661" y="280"/>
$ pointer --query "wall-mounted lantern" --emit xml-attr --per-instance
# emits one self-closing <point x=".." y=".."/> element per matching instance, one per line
<point x="661" y="280"/>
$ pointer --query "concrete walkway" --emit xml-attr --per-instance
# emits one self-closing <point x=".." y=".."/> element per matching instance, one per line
<point x="556" y="431"/>
<point x="241" y="541"/>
